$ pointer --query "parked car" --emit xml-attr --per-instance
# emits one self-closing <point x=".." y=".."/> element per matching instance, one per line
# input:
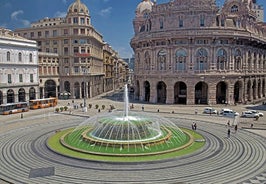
<point x="229" y="113"/>
<point x="209" y="110"/>
<point x="257" y="112"/>
<point x="249" y="114"/>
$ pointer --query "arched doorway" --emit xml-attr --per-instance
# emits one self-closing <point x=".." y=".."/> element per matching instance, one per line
<point x="201" y="93"/>
<point x="254" y="89"/>
<point x="10" y="96"/>
<point x="147" y="91"/>
<point x="67" y="86"/>
<point x="1" y="98"/>
<point x="161" y="92"/>
<point x="32" y="94"/>
<point x="180" y="91"/>
<point x="221" y="89"/>
<point x="237" y="92"/>
<point x="249" y="91"/>
<point x="77" y="90"/>
<point x="259" y="88"/>
<point x="21" y="95"/>
<point x="50" y="89"/>
<point x="263" y="88"/>
<point x="137" y="91"/>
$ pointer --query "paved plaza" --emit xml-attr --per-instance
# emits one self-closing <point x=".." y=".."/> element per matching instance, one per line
<point x="239" y="159"/>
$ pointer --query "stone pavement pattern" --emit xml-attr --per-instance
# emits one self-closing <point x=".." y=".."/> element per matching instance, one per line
<point x="239" y="159"/>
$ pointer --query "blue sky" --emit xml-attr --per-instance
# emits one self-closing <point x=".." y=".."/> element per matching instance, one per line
<point x="112" y="18"/>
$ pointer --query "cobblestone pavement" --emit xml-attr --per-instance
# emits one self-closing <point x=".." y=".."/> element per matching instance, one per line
<point x="26" y="159"/>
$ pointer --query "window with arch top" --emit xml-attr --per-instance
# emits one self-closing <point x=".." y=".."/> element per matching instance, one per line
<point x="201" y="59"/>
<point x="180" y="60"/>
<point x="161" y="59"/>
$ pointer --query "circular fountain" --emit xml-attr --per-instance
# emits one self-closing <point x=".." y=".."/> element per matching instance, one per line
<point x="124" y="133"/>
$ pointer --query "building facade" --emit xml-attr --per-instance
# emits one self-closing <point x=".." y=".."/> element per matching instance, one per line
<point x="18" y="68"/>
<point x="192" y="52"/>
<point x="49" y="81"/>
<point x="79" y="47"/>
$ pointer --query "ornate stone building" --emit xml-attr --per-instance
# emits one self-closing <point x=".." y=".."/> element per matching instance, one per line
<point x="18" y="68"/>
<point x="193" y="52"/>
<point x="48" y="74"/>
<point x="79" y="47"/>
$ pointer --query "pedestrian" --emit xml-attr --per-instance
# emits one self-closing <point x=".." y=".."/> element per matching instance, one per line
<point x="192" y="126"/>
<point x="228" y="123"/>
<point x="158" y="110"/>
<point x="142" y="107"/>
<point x="195" y="126"/>
<point x="228" y="133"/>
<point x="251" y="126"/>
<point x="235" y="128"/>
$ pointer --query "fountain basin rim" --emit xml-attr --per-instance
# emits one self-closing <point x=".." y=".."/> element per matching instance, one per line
<point x="62" y="142"/>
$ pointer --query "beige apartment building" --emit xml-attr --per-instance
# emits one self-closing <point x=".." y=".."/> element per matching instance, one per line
<point x="81" y="69"/>
<point x="193" y="52"/>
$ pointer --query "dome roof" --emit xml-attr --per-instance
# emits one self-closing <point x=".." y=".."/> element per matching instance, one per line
<point x="78" y="7"/>
<point x="144" y="5"/>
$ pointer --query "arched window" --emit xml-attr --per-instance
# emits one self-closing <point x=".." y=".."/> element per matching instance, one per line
<point x="8" y="56"/>
<point x="19" y="57"/>
<point x="30" y="57"/>
<point x="237" y="59"/>
<point x="201" y="60"/>
<point x="161" y="23"/>
<point x="180" y="61"/>
<point x="161" y="60"/>
<point x="181" y="21"/>
<point x="202" y="20"/>
<point x="234" y="8"/>
<point x="147" y="61"/>
<point x="221" y="59"/>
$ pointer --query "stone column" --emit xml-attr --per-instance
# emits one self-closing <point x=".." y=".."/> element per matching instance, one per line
<point x="191" y="94"/>
<point x="170" y="94"/>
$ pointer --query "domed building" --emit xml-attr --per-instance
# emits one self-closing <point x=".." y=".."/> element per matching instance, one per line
<point x="193" y="52"/>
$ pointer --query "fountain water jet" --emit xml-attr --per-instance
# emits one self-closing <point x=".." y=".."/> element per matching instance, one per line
<point x="126" y="133"/>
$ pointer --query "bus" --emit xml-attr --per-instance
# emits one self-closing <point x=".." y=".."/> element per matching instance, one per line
<point x="43" y="103"/>
<point x="11" y="108"/>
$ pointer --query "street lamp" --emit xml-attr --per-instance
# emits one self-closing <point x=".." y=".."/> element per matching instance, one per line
<point x="85" y="92"/>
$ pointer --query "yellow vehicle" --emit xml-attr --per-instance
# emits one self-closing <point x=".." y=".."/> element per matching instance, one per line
<point x="43" y="103"/>
<point x="12" y="108"/>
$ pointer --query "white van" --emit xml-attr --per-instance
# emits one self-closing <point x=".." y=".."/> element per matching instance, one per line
<point x="229" y="113"/>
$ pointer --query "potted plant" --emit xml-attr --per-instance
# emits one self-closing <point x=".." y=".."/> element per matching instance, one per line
<point x="57" y="109"/>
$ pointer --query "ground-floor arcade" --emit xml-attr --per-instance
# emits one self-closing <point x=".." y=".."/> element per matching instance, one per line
<point x="18" y="94"/>
<point x="201" y="90"/>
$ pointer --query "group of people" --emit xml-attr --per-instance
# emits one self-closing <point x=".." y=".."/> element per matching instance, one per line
<point x="229" y="129"/>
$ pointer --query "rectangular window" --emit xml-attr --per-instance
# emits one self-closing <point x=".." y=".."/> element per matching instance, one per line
<point x="32" y="34"/>
<point x="46" y="34"/>
<point x="65" y="41"/>
<point x="9" y="79"/>
<point x="31" y="77"/>
<point x="55" y="42"/>
<point x="20" y="78"/>
<point x="181" y="23"/>
<point x="54" y="32"/>
<point x="75" y="31"/>
<point x="76" y="50"/>
<point x="75" y="20"/>
<point x="76" y="69"/>
<point x="65" y="31"/>
<point x="65" y="50"/>
<point x="82" y="21"/>
<point x="39" y="33"/>
<point x="82" y="31"/>
<point x="55" y="50"/>
<point x="76" y="60"/>
<point x="66" y="69"/>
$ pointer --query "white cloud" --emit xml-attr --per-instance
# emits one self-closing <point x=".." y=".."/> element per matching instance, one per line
<point x="105" y="12"/>
<point x="60" y="14"/>
<point x="25" y="23"/>
<point x="14" y="15"/>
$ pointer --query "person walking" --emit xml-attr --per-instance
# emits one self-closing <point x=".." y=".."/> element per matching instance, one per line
<point x="228" y="133"/>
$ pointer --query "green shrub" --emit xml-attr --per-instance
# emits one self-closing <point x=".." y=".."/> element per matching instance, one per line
<point x="96" y="106"/>
<point x="103" y="106"/>
<point x="61" y="109"/>
<point x="65" y="108"/>
<point x="57" y="109"/>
